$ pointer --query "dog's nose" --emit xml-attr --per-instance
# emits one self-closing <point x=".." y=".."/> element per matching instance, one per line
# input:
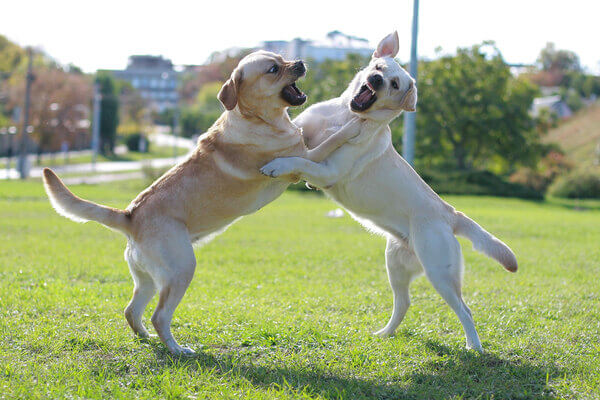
<point x="299" y="67"/>
<point x="376" y="81"/>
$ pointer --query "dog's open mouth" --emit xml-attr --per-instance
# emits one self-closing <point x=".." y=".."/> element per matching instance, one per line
<point x="364" y="99"/>
<point x="292" y="95"/>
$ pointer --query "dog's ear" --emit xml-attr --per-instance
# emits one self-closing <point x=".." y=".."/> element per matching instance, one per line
<point x="228" y="95"/>
<point x="388" y="47"/>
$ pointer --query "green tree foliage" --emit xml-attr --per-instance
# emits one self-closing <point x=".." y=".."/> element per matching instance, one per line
<point x="197" y="118"/>
<point x="472" y="113"/>
<point x="11" y="56"/>
<point x="207" y="100"/>
<point x="584" y="85"/>
<point x="551" y="59"/>
<point x="109" y="112"/>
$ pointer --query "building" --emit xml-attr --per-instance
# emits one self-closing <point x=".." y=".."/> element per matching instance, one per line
<point x="335" y="46"/>
<point x="553" y="103"/>
<point x="155" y="79"/>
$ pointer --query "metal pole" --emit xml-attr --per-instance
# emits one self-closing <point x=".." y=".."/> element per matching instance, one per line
<point x="96" y="125"/>
<point x="410" y="118"/>
<point x="23" y="170"/>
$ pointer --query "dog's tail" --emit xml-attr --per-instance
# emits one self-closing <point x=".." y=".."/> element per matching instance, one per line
<point x="68" y="205"/>
<point x="485" y="242"/>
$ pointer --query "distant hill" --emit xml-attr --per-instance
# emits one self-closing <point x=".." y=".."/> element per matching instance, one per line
<point x="579" y="136"/>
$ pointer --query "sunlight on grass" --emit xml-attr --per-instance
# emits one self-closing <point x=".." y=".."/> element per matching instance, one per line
<point x="283" y="305"/>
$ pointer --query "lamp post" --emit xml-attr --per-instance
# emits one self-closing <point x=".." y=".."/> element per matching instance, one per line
<point x="23" y="167"/>
<point x="410" y="118"/>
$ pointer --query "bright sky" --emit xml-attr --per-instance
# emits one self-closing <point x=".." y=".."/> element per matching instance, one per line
<point x="102" y="34"/>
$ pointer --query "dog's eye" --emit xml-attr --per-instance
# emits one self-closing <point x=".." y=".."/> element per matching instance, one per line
<point x="378" y="67"/>
<point x="273" y="69"/>
<point x="395" y="84"/>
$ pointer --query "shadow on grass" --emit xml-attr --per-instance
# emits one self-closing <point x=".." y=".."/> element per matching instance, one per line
<point x="575" y="204"/>
<point x="456" y="373"/>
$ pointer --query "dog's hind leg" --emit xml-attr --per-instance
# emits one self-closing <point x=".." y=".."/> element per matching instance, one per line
<point x="402" y="267"/>
<point x="173" y="275"/>
<point x="143" y="292"/>
<point x="441" y="257"/>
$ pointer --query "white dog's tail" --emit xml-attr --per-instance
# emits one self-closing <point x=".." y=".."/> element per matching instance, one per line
<point x="485" y="242"/>
<point x="68" y="205"/>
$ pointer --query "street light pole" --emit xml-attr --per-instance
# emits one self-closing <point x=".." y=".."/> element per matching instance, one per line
<point x="23" y="170"/>
<point x="410" y="118"/>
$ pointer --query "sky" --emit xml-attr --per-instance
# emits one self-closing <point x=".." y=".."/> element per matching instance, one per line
<point x="101" y="35"/>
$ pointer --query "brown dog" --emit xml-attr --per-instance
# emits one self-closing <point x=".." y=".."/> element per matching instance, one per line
<point x="217" y="184"/>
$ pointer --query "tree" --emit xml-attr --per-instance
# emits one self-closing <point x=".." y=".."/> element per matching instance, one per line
<point x="134" y="112"/>
<point x="59" y="109"/>
<point x="11" y="56"/>
<point x="551" y="59"/>
<point x="472" y="112"/>
<point x="198" y="117"/>
<point x="109" y="112"/>
<point x="207" y="100"/>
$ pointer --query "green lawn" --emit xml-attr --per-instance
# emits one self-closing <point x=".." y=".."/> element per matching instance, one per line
<point x="283" y="305"/>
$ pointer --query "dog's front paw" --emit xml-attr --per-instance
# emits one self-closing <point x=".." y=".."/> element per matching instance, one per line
<point x="276" y="168"/>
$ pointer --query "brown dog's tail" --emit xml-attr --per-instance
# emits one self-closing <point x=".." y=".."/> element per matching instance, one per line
<point x="68" y="205"/>
<point x="485" y="242"/>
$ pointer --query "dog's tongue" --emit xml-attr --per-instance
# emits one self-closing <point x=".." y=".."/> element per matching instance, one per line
<point x="364" y="96"/>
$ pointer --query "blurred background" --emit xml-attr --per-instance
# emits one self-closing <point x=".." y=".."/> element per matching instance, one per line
<point x="112" y="90"/>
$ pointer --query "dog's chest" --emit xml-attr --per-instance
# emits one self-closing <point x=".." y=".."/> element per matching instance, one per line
<point x="356" y="156"/>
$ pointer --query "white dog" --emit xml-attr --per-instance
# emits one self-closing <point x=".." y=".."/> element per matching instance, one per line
<point x="199" y="197"/>
<point x="381" y="190"/>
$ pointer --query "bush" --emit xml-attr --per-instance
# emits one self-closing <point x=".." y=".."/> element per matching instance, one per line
<point x="577" y="185"/>
<point x="196" y="122"/>
<point x="133" y="142"/>
<point x="482" y="183"/>
<point x="553" y="165"/>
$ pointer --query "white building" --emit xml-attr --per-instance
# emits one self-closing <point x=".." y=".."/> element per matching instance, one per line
<point x="155" y="79"/>
<point x="336" y="46"/>
<point x="553" y="103"/>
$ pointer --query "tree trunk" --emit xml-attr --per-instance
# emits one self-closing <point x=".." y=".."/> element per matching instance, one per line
<point x="461" y="157"/>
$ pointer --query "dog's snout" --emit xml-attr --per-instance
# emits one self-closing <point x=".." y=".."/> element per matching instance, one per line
<point x="376" y="80"/>
<point x="299" y="67"/>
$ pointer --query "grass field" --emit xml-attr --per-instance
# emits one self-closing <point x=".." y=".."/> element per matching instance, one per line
<point x="579" y="137"/>
<point x="283" y="305"/>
